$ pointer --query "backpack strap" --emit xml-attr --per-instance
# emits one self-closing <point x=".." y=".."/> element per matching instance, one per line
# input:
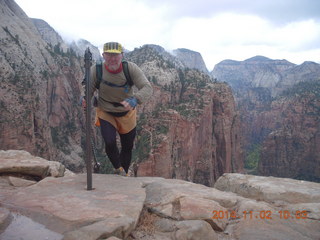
<point x="125" y="71"/>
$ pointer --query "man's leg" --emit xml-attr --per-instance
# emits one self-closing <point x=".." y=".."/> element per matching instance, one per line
<point x="126" y="148"/>
<point x="108" y="133"/>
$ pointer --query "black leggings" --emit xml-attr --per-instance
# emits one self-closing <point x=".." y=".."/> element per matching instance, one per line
<point x="122" y="159"/>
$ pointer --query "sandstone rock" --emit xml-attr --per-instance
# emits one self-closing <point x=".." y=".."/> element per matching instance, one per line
<point x="5" y="185"/>
<point x="19" y="182"/>
<point x="113" y="238"/>
<point x="5" y="218"/>
<point x="276" y="228"/>
<point x="56" y="169"/>
<point x="194" y="229"/>
<point x="119" y="227"/>
<point x="198" y="208"/>
<point x="187" y="201"/>
<point x="164" y="209"/>
<point x="68" y="173"/>
<point x="115" y="203"/>
<point x="23" y="227"/>
<point x="190" y="229"/>
<point x="22" y="162"/>
<point x="162" y="193"/>
<point x="254" y="206"/>
<point x="312" y="210"/>
<point x="270" y="189"/>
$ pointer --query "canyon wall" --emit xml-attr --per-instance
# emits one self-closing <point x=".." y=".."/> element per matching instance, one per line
<point x="278" y="103"/>
<point x="39" y="89"/>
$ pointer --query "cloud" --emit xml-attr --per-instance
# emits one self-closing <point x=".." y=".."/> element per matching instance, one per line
<point x="243" y="36"/>
<point x="130" y="22"/>
<point x="229" y="29"/>
<point x="276" y="11"/>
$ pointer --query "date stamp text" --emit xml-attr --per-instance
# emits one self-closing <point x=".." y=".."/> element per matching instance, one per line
<point x="283" y="214"/>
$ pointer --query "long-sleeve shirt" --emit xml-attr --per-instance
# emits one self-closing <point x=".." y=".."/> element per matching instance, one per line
<point x="108" y="95"/>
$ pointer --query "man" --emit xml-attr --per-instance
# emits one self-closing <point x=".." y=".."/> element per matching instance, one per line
<point x="116" y="105"/>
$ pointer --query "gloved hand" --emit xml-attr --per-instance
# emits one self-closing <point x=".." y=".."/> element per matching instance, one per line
<point x="129" y="103"/>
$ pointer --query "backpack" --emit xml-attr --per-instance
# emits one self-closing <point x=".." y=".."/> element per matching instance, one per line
<point x="126" y="72"/>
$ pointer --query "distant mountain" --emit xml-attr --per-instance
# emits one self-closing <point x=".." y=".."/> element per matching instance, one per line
<point x="155" y="53"/>
<point x="191" y="59"/>
<point x="258" y="71"/>
<point x="54" y="39"/>
<point x="81" y="45"/>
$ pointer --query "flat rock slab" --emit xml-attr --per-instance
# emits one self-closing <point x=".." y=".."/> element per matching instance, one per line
<point x="22" y="162"/>
<point x="270" y="189"/>
<point x="19" y="182"/>
<point x="114" y="199"/>
<point x="4" y="218"/>
<point x="277" y="228"/>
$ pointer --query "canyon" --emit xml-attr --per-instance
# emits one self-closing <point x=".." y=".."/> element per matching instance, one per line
<point x="188" y="113"/>
<point x="196" y="126"/>
<point x="279" y="104"/>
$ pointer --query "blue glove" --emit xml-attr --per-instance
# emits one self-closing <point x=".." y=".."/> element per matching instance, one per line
<point x="132" y="101"/>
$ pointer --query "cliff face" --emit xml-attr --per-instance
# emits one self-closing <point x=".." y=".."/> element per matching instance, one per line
<point x="278" y="104"/>
<point x="255" y="72"/>
<point x="199" y="148"/>
<point x="292" y="149"/>
<point x="40" y="87"/>
<point x="49" y="35"/>
<point x="190" y="129"/>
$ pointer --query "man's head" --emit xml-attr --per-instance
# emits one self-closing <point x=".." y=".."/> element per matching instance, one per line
<point x="112" y="54"/>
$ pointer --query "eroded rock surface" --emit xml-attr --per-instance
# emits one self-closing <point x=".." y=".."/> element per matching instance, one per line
<point x="241" y="207"/>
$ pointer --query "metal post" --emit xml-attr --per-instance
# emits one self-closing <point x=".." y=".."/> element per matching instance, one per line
<point x="87" y="65"/>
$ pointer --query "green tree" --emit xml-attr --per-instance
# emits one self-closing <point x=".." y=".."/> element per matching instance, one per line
<point x="253" y="157"/>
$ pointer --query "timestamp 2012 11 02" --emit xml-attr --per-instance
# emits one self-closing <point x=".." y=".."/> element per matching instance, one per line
<point x="262" y="214"/>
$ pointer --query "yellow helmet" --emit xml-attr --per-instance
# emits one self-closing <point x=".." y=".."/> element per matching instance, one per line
<point x="112" y="47"/>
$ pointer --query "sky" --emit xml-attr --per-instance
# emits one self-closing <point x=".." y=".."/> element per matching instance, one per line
<point x="217" y="29"/>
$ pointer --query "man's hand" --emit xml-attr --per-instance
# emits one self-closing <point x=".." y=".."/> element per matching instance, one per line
<point x="129" y="103"/>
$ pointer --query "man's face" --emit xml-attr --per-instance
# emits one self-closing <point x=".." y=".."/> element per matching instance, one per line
<point x="112" y="60"/>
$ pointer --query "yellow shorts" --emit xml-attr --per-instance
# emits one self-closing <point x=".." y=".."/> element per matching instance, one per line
<point x="123" y="124"/>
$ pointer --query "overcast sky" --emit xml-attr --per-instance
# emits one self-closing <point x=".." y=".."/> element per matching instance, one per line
<point x="218" y="29"/>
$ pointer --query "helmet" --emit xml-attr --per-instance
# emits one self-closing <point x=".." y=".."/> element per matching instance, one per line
<point x="112" y="47"/>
